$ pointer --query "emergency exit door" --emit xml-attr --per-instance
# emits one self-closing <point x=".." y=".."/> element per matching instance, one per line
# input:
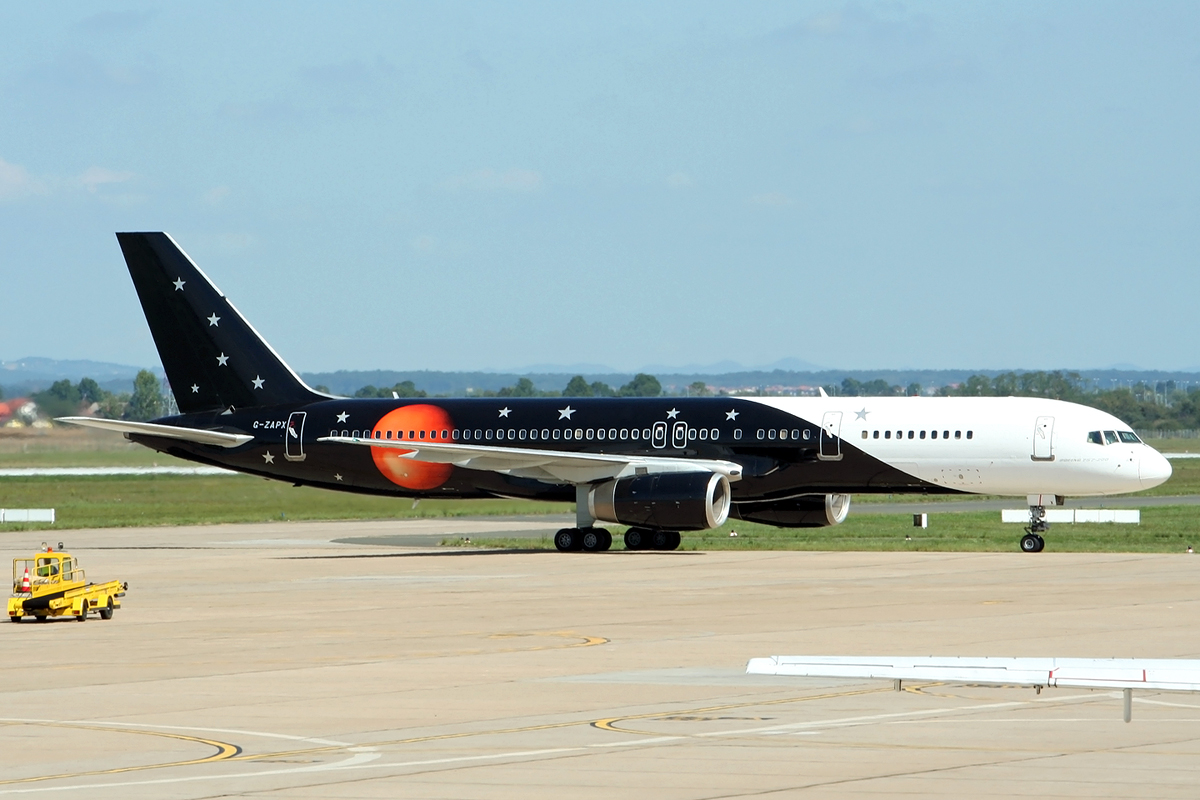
<point x="831" y="433"/>
<point x="293" y="437"/>
<point x="1043" y="439"/>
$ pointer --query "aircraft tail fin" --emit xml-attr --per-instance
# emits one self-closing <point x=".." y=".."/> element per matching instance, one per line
<point x="213" y="357"/>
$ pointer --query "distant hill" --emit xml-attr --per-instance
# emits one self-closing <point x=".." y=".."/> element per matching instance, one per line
<point x="34" y="374"/>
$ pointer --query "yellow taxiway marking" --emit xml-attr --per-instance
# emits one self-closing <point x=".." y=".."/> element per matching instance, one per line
<point x="610" y="724"/>
<point x="225" y="751"/>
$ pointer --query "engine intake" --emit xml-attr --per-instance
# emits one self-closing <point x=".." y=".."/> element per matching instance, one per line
<point x="806" y="511"/>
<point x="678" y="501"/>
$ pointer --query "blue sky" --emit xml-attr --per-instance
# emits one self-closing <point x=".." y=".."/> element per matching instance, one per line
<point x="466" y="186"/>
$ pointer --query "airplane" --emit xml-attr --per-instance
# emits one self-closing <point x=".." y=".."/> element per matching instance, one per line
<point x="1126" y="674"/>
<point x="659" y="465"/>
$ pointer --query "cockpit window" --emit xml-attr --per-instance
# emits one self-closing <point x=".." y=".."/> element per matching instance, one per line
<point x="1110" y="437"/>
<point x="1094" y="437"/>
<point x="1129" y="437"/>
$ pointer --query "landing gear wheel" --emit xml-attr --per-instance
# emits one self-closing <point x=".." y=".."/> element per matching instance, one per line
<point x="673" y="540"/>
<point x="1032" y="543"/>
<point x="106" y="613"/>
<point x="595" y="540"/>
<point x="568" y="539"/>
<point x="1041" y="544"/>
<point x="637" y="539"/>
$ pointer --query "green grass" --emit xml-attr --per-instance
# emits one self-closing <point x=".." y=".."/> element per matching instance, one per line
<point x="1169" y="529"/>
<point x="117" y="501"/>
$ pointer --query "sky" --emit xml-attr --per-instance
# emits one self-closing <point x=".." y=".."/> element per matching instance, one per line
<point x="461" y="186"/>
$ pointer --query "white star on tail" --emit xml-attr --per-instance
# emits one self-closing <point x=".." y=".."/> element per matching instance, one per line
<point x="732" y="414"/>
<point x="213" y="320"/>
<point x="267" y="457"/>
<point x="504" y="412"/>
<point x="342" y="418"/>
<point x="179" y="282"/>
<point x="195" y="389"/>
<point x="258" y="382"/>
<point x="673" y="413"/>
<point x="565" y="413"/>
<point x="221" y="359"/>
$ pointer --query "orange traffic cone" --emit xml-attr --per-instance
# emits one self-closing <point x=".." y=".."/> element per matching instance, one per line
<point x="25" y="585"/>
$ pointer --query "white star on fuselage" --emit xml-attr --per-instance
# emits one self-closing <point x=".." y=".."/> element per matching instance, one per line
<point x="195" y="389"/>
<point x="221" y="359"/>
<point x="731" y="414"/>
<point x="861" y="414"/>
<point x="673" y="413"/>
<point x="179" y="282"/>
<point x="337" y="475"/>
<point x="213" y="320"/>
<point x="267" y="457"/>
<point x="258" y="382"/>
<point x="342" y="417"/>
<point x="504" y="412"/>
<point x="565" y="413"/>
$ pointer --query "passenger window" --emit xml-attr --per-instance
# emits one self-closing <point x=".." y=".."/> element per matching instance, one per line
<point x="579" y="433"/>
<point x="478" y="434"/>
<point x="645" y="433"/>
<point x="876" y="436"/>
<point x="761" y="434"/>
<point x="522" y="434"/>
<point x="770" y="434"/>
<point x="600" y="434"/>
<point x="795" y="433"/>
<point x="945" y="434"/>
<point x="691" y="434"/>
<point x="864" y="434"/>
<point x="545" y="434"/>
<point x="970" y="434"/>
<point x="345" y="433"/>
<point x="389" y="434"/>
<point x="715" y="433"/>
<point x="1129" y="437"/>
<point x="910" y="434"/>
<point x="887" y="434"/>
<point x="1110" y="437"/>
<point x="704" y="434"/>
<point x="556" y="433"/>
<point x="612" y="434"/>
<point x="445" y="434"/>
<point x="511" y="434"/>
<point x="922" y="434"/>
<point x="806" y="435"/>
<point x="500" y="434"/>
<point x="737" y="433"/>
<point x="624" y="433"/>
<point x="633" y="434"/>
<point x="933" y="434"/>
<point x="466" y="434"/>
<point x="958" y="434"/>
<point x="1094" y="437"/>
<point x="590" y="434"/>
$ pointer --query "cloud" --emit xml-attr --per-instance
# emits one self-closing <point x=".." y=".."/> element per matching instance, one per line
<point x="94" y="177"/>
<point x="16" y="183"/>
<point x="680" y="180"/>
<point x="774" y="199"/>
<point x="490" y="180"/>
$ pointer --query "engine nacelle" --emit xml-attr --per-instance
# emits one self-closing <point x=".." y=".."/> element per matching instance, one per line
<point x="806" y="511"/>
<point x="677" y="501"/>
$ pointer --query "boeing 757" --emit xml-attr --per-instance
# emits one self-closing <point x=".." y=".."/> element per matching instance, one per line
<point x="659" y="465"/>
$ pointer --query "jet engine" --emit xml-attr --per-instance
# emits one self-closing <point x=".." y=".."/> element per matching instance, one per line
<point x="677" y="501"/>
<point x="805" y="511"/>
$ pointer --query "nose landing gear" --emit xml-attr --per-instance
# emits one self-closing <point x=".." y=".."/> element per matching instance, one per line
<point x="1032" y="542"/>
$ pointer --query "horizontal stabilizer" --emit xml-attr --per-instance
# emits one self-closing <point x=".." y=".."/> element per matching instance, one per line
<point x="1165" y="674"/>
<point x="218" y="438"/>
<point x="553" y="465"/>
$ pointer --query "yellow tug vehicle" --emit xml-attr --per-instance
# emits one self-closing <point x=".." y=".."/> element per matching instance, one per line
<point x="52" y="584"/>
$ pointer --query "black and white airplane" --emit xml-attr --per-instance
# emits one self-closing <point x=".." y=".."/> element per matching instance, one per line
<point x="659" y="465"/>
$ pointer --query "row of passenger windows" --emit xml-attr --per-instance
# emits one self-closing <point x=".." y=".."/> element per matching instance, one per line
<point x="1112" y="437"/>
<point x="919" y="434"/>
<point x="545" y="434"/>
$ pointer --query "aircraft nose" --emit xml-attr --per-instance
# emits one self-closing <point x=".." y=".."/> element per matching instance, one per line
<point x="1154" y="468"/>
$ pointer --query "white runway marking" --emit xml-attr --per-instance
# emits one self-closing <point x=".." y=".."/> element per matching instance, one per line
<point x="70" y="472"/>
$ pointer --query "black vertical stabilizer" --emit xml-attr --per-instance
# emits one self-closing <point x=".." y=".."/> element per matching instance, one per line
<point x="214" y="359"/>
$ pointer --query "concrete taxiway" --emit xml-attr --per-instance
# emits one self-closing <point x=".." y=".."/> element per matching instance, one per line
<point x="292" y="660"/>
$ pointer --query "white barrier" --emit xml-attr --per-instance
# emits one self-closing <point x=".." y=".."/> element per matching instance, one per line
<point x="1126" y="516"/>
<point x="26" y="515"/>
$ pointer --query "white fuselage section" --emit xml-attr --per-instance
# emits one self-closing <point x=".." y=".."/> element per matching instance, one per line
<point x="987" y="445"/>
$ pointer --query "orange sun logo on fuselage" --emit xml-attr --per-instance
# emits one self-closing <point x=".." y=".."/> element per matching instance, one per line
<point x="413" y="423"/>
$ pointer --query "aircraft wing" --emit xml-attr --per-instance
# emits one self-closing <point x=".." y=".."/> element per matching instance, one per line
<point x="198" y="435"/>
<point x="552" y="465"/>
<point x="1166" y="674"/>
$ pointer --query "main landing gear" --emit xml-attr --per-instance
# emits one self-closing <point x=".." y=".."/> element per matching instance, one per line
<point x="1032" y="541"/>
<point x="647" y="539"/>
<point x="591" y="540"/>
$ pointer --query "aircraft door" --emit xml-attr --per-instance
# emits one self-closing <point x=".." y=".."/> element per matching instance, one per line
<point x="831" y="431"/>
<point x="679" y="435"/>
<point x="659" y="435"/>
<point x="1043" y="439"/>
<point x="293" y="437"/>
